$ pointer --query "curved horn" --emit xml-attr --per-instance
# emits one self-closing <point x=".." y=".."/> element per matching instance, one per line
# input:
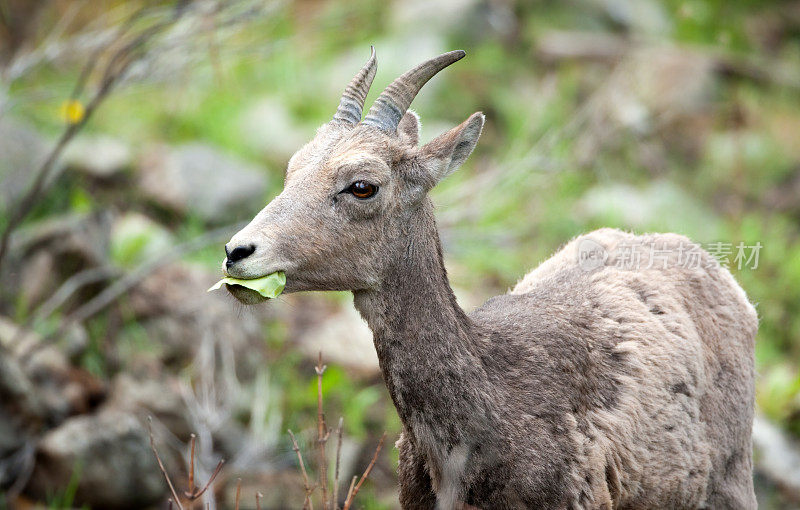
<point x="393" y="102"/>
<point x="352" y="102"/>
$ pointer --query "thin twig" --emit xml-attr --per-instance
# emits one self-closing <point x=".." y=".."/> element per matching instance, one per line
<point x="306" y="484"/>
<point x="322" y="435"/>
<point x="365" y="475"/>
<point x="202" y="491"/>
<point x="175" y="497"/>
<point x="258" y="500"/>
<point x="335" y="497"/>
<point x="238" y="492"/>
<point x="191" y="466"/>
<point x="193" y="493"/>
<point x="350" y="491"/>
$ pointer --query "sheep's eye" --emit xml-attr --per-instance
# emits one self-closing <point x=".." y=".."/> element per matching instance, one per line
<point x="362" y="189"/>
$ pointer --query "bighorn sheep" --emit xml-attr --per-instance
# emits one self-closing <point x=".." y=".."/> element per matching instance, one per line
<point x="594" y="383"/>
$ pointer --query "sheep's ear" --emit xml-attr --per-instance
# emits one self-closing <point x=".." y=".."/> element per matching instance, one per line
<point x="409" y="127"/>
<point x="446" y="152"/>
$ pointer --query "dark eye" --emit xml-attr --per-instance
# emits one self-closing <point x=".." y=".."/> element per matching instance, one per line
<point x="362" y="189"/>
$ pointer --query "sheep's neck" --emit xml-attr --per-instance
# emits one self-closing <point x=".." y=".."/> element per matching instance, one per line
<point x="426" y="345"/>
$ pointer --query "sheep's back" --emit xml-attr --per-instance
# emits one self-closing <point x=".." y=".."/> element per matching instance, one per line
<point x="650" y="366"/>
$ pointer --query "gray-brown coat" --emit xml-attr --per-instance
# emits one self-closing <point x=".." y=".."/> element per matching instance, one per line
<point x="590" y="385"/>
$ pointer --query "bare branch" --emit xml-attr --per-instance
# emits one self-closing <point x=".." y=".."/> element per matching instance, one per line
<point x="238" y="493"/>
<point x="306" y="484"/>
<point x="175" y="497"/>
<point x="210" y="480"/>
<point x="190" y="492"/>
<point x="322" y="435"/>
<point x="352" y="496"/>
<point x="335" y="497"/>
<point x="350" y="491"/>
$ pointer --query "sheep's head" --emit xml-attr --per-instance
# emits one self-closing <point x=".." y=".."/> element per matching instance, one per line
<point x="351" y="192"/>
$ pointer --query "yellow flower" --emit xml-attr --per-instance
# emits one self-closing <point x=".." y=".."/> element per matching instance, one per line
<point x="72" y="111"/>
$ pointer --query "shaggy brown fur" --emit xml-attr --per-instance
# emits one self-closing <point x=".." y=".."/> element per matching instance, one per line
<point x="582" y="388"/>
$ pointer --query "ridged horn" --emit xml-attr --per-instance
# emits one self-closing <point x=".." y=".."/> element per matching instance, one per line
<point x="352" y="103"/>
<point x="393" y="102"/>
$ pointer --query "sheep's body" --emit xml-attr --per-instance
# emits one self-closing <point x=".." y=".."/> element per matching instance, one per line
<point x="587" y="386"/>
<point x="607" y="388"/>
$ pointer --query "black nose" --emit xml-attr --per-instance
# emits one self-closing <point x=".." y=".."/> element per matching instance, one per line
<point x="238" y="253"/>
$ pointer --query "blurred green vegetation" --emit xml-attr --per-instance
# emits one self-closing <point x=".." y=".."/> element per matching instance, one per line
<point x="726" y="168"/>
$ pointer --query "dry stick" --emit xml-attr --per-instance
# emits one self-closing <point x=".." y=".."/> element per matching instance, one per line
<point x="365" y="475"/>
<point x="335" y="497"/>
<point x="161" y="464"/>
<point x="202" y="491"/>
<point x="258" y="500"/>
<point x="350" y="491"/>
<point x="194" y="493"/>
<point x="191" y="467"/>
<point x="238" y="492"/>
<point x="322" y="435"/>
<point x="306" y="483"/>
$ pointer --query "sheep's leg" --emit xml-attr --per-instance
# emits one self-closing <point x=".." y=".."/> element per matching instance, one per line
<point x="416" y="492"/>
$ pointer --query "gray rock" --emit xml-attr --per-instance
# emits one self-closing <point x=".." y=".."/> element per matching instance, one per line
<point x="54" y="250"/>
<point x="200" y="180"/>
<point x="177" y="312"/>
<point x="136" y="238"/>
<point x="643" y="16"/>
<point x="657" y="87"/>
<point x="108" y="454"/>
<point x="84" y="237"/>
<point x="269" y="128"/>
<point x="344" y="339"/>
<point x="777" y="456"/>
<point x="158" y="397"/>
<point x="20" y="406"/>
<point x="48" y="387"/>
<point x="659" y="206"/>
<point x="98" y="156"/>
<point x="38" y="278"/>
<point x="23" y="151"/>
<point x="423" y="17"/>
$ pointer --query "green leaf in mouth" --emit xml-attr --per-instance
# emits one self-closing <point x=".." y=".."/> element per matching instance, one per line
<point x="269" y="286"/>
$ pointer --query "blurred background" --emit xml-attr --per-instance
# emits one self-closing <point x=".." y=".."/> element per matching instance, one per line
<point x="137" y="136"/>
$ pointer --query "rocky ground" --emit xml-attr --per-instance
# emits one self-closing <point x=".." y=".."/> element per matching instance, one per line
<point x="75" y="405"/>
<point x="645" y="115"/>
